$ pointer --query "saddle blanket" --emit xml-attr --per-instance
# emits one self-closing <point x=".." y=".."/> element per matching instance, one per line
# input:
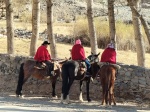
<point x="106" y="63"/>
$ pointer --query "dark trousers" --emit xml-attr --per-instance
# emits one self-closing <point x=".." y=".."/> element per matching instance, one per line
<point x="50" y="66"/>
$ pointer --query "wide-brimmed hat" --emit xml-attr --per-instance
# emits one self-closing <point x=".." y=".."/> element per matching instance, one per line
<point x="45" y="43"/>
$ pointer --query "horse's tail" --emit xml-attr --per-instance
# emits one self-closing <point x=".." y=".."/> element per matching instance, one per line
<point x="68" y="74"/>
<point x="107" y="86"/>
<point x="20" y="80"/>
<point x="65" y="79"/>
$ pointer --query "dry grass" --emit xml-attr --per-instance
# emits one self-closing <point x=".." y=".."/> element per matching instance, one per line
<point x="22" y="46"/>
<point x="60" y="28"/>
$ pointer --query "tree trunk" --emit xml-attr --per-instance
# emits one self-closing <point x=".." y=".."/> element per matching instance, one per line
<point x="143" y="21"/>
<point x="35" y="26"/>
<point x="10" y="27"/>
<point x="112" y="27"/>
<point x="138" y="34"/>
<point x="93" y="38"/>
<point x="50" y="29"/>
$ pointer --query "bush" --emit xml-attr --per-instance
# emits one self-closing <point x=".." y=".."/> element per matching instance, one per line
<point x="124" y="34"/>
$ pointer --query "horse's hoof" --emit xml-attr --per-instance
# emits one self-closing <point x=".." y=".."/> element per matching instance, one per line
<point x="103" y="104"/>
<point x="89" y="100"/>
<point x="17" y="96"/>
<point x="81" y="101"/>
<point x="92" y="79"/>
<point x="109" y="106"/>
<point x="65" y="102"/>
<point x="20" y="96"/>
<point x="54" y="97"/>
<point x="48" y="77"/>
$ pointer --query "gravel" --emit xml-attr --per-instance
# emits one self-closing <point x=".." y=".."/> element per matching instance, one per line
<point x="10" y="103"/>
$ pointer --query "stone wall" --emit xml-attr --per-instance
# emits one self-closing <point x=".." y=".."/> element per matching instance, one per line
<point x="133" y="82"/>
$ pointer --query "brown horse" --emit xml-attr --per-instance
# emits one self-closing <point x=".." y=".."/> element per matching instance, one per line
<point x="107" y="76"/>
<point x="28" y="69"/>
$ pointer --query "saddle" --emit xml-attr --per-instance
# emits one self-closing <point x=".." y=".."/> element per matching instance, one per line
<point x="106" y="63"/>
<point x="40" y="65"/>
<point x="82" y="67"/>
<point x="101" y="64"/>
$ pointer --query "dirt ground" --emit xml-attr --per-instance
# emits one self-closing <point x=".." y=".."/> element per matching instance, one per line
<point x="10" y="103"/>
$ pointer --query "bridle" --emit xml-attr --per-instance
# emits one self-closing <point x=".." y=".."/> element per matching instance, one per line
<point x="93" y="58"/>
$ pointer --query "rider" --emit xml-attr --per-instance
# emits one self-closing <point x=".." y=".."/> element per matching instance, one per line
<point x="78" y="53"/>
<point x="43" y="57"/>
<point x="109" y="54"/>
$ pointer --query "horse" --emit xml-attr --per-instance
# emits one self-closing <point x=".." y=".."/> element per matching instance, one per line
<point x="72" y="70"/>
<point x="107" y="76"/>
<point x="28" y="69"/>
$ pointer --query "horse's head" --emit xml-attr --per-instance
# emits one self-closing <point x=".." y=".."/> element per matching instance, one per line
<point x="93" y="58"/>
<point x="58" y="67"/>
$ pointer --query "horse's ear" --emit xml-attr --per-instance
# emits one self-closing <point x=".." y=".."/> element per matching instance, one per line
<point x="91" y="53"/>
<point x="97" y="54"/>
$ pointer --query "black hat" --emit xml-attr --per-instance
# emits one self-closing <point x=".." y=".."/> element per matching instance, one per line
<point x="45" y="42"/>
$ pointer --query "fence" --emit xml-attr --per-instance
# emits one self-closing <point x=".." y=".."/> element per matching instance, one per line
<point x="133" y="82"/>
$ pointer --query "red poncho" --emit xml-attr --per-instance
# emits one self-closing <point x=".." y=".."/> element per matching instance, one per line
<point x="42" y="54"/>
<point x="109" y="55"/>
<point x="78" y="52"/>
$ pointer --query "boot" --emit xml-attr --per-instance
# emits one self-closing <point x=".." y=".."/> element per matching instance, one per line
<point x="88" y="74"/>
<point x="40" y="65"/>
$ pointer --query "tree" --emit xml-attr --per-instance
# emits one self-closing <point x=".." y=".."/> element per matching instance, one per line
<point x="112" y="27"/>
<point x="138" y="33"/>
<point x="50" y="29"/>
<point x="2" y="7"/>
<point x="19" y="6"/>
<point x="35" y="26"/>
<point x="10" y="27"/>
<point x="92" y="35"/>
<point x="143" y="21"/>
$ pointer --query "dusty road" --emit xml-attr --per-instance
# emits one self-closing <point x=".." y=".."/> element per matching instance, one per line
<point x="9" y="103"/>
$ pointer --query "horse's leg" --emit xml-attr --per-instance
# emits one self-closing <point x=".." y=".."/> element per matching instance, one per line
<point x="53" y="89"/>
<point x="87" y="89"/>
<point x="110" y="98"/>
<point x="20" y="81"/>
<point x="65" y="90"/>
<point x="104" y="94"/>
<point x="113" y="98"/>
<point x="80" y="96"/>
<point x="112" y="94"/>
<point x="71" y="79"/>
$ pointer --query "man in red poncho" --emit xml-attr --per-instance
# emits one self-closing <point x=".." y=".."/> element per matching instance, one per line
<point x="43" y="57"/>
<point x="78" y="53"/>
<point x="109" y="54"/>
<point x="42" y="53"/>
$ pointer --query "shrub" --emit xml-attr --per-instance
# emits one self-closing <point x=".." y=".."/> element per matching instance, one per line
<point x="124" y="33"/>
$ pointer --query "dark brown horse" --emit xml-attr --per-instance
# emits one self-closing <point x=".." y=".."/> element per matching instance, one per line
<point x="71" y="71"/>
<point x="28" y="69"/>
<point x="107" y="76"/>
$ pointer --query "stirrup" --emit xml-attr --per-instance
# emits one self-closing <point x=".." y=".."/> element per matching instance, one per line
<point x="52" y="73"/>
<point x="38" y="68"/>
<point x="87" y="75"/>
